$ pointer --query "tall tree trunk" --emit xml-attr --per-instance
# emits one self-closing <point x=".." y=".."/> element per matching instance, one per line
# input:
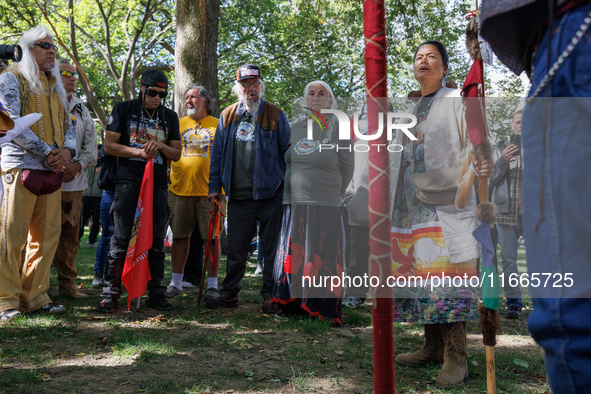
<point x="196" y="49"/>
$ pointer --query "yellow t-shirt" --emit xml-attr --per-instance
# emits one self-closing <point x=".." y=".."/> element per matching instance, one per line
<point x="190" y="175"/>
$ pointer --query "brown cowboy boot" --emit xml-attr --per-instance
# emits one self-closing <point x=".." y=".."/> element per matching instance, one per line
<point x="455" y="366"/>
<point x="432" y="352"/>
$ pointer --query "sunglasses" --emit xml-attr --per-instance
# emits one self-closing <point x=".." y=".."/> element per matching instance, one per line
<point x="68" y="74"/>
<point x="154" y="93"/>
<point x="45" y="45"/>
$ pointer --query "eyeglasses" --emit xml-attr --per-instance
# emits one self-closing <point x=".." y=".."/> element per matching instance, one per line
<point x="45" y="45"/>
<point x="154" y="93"/>
<point x="68" y="74"/>
<point x="247" y="85"/>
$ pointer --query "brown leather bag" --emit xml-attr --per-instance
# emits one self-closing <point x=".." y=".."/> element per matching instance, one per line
<point x="436" y="187"/>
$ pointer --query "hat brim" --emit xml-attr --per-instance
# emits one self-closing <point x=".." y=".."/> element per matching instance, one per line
<point x="248" y="77"/>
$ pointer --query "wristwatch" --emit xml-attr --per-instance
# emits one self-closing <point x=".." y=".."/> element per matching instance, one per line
<point x="72" y="151"/>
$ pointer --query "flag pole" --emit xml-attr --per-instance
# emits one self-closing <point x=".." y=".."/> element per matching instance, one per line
<point x="374" y="26"/>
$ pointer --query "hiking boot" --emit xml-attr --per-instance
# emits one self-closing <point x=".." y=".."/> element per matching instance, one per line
<point x="90" y="245"/>
<point x="172" y="291"/>
<point x="227" y="301"/>
<point x="212" y="298"/>
<point x="432" y="352"/>
<point x="352" y="302"/>
<point x="513" y="312"/>
<point x="107" y="306"/>
<point x="98" y="281"/>
<point x="455" y="366"/>
<point x="268" y="307"/>
<point x="52" y="307"/>
<point x="9" y="314"/>
<point x="160" y="304"/>
<point x="74" y="293"/>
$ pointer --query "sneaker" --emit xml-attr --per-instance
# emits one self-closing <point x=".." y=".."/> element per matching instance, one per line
<point x="268" y="307"/>
<point x="159" y="303"/>
<point x="188" y="284"/>
<point x="52" y="307"/>
<point x="259" y="270"/>
<point x="352" y="302"/>
<point x="212" y="298"/>
<point x="513" y="312"/>
<point x="172" y="291"/>
<point x="107" y="306"/>
<point x="98" y="281"/>
<point x="90" y="246"/>
<point x="9" y="314"/>
<point x="74" y="293"/>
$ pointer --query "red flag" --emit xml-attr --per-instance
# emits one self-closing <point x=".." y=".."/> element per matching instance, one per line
<point x="136" y="271"/>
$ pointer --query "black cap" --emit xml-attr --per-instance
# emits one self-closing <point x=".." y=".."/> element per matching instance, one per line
<point x="154" y="78"/>
<point x="248" y="71"/>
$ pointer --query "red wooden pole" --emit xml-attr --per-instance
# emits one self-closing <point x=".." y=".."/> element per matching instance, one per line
<point x="374" y="23"/>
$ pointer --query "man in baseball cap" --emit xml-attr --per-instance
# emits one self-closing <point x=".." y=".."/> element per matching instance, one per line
<point x="235" y="158"/>
<point x="139" y="130"/>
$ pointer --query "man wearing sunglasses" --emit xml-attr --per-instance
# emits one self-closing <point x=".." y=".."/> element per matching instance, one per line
<point x="32" y="173"/>
<point x="74" y="184"/>
<point x="247" y="161"/>
<point x="138" y="130"/>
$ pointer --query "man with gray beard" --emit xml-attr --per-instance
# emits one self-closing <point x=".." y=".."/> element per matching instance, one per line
<point x="247" y="161"/>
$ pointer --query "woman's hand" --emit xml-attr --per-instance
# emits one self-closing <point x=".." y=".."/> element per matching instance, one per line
<point x="484" y="168"/>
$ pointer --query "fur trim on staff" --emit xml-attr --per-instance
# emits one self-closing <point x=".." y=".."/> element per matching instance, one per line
<point x="483" y="152"/>
<point x="487" y="212"/>
<point x="466" y="176"/>
<point x="489" y="324"/>
<point x="472" y="41"/>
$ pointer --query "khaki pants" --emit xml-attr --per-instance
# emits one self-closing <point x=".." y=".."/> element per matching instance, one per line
<point x="67" y="248"/>
<point x="31" y="222"/>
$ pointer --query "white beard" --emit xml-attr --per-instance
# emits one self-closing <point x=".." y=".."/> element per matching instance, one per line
<point x="252" y="106"/>
<point x="191" y="111"/>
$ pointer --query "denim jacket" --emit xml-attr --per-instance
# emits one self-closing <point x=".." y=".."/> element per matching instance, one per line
<point x="271" y="135"/>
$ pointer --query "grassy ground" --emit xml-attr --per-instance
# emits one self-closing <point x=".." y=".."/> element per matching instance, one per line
<point x="194" y="350"/>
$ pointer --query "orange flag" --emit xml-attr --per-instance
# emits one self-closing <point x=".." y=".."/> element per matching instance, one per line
<point x="136" y="271"/>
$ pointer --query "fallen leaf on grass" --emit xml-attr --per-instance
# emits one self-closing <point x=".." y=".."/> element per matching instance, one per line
<point x="475" y="363"/>
<point x="45" y="377"/>
<point x="521" y="363"/>
<point x="80" y="354"/>
<point x="121" y="384"/>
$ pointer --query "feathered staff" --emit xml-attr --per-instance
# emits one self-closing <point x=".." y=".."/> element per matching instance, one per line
<point x="473" y="93"/>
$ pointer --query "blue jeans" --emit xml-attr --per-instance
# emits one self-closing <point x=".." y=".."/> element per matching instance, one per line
<point x="122" y="215"/>
<point x="103" y="247"/>
<point x="508" y="238"/>
<point x="557" y="156"/>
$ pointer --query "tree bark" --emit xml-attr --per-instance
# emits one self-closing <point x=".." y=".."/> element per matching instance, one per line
<point x="196" y="50"/>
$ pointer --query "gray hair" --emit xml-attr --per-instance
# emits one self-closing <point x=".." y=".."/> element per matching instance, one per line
<point x="325" y="86"/>
<point x="28" y="65"/>
<point x="204" y="95"/>
<point x="63" y="60"/>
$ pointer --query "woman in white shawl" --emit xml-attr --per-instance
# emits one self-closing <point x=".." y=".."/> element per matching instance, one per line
<point x="431" y="238"/>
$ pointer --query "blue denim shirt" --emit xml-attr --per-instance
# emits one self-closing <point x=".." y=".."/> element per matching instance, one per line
<point x="271" y="142"/>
